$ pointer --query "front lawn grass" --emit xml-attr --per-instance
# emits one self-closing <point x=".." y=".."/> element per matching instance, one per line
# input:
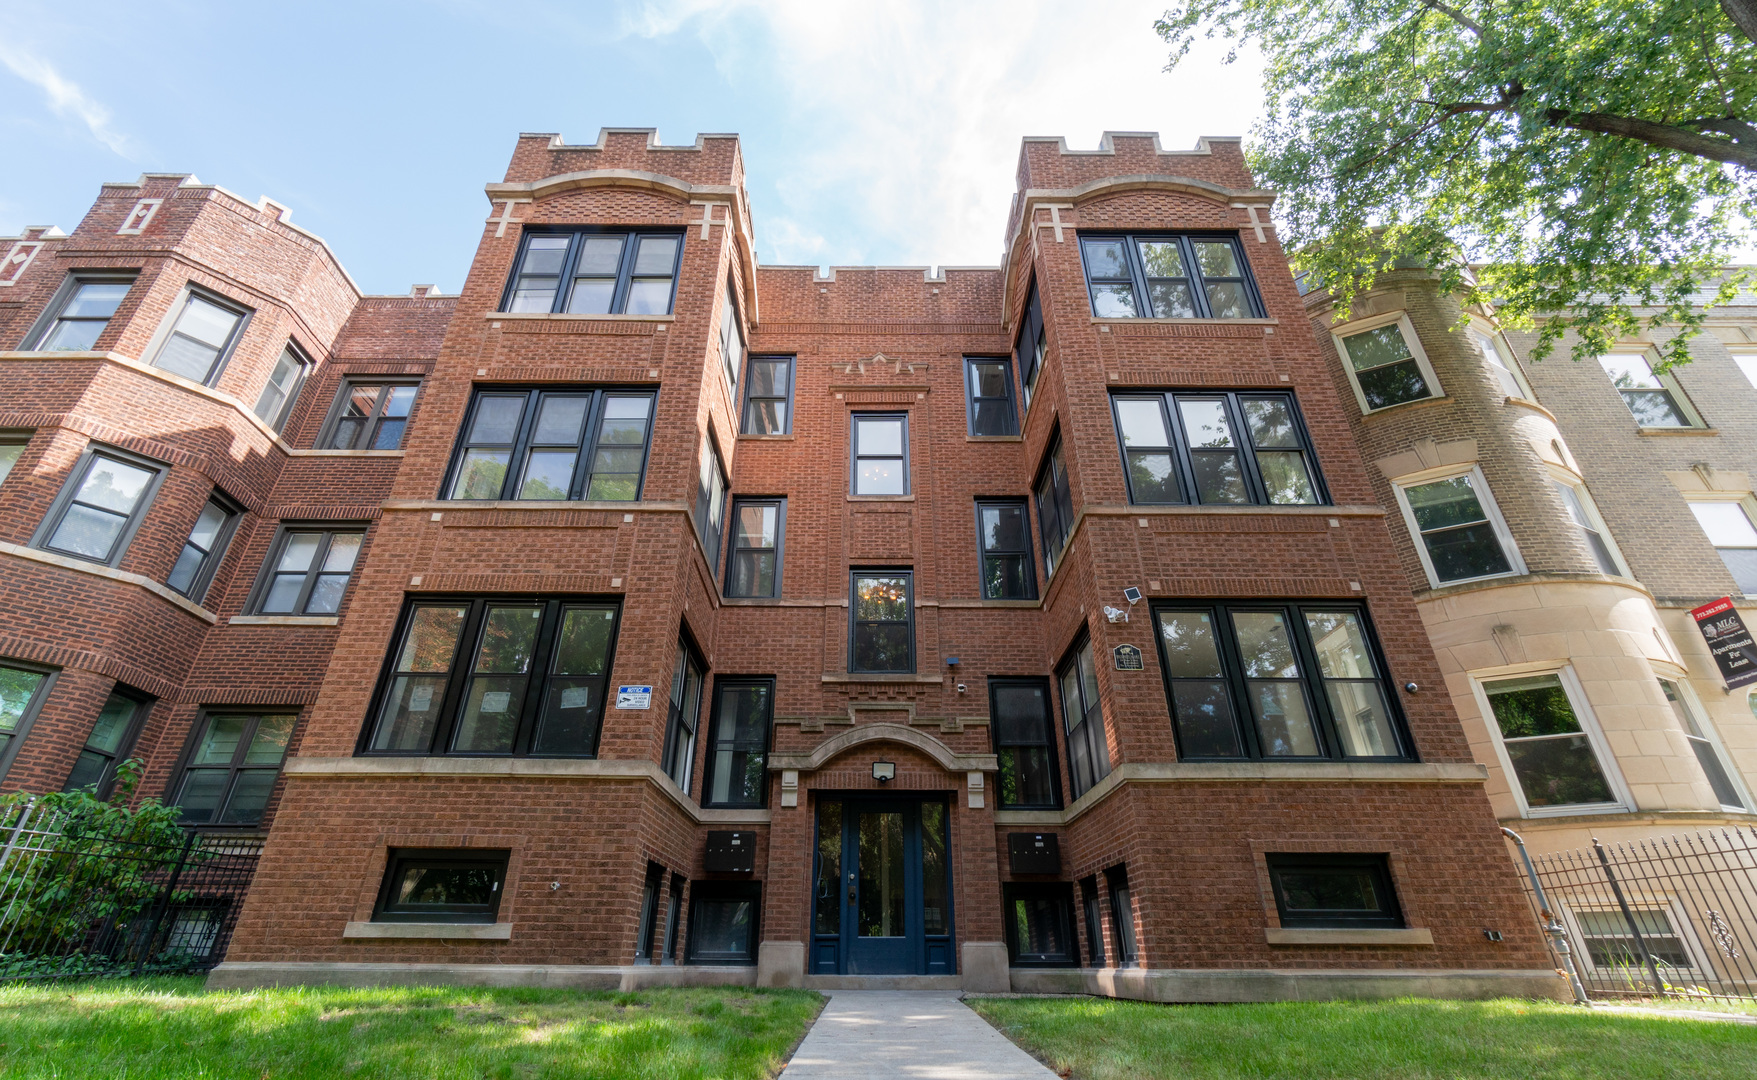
<point x="1102" y="1039"/>
<point x="160" y="1029"/>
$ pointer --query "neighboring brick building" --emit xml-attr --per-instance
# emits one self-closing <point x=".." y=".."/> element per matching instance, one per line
<point x="1547" y="530"/>
<point x="721" y="622"/>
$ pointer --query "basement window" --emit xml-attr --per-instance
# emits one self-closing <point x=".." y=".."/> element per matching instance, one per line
<point x="1334" y="891"/>
<point x="442" y="886"/>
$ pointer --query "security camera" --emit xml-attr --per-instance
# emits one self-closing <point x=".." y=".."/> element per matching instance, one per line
<point x="962" y="688"/>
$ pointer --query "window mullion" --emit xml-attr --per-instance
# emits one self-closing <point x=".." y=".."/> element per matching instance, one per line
<point x="564" y="283"/>
<point x="1247" y="446"/>
<point x="582" y="469"/>
<point x="625" y="274"/>
<point x="1329" y="737"/>
<point x="1138" y="276"/>
<point x="311" y="573"/>
<point x="1244" y="718"/>
<point x="537" y="683"/>
<point x="521" y="444"/>
<point x="1182" y="460"/>
<point x="1198" y="284"/>
<point x="463" y="659"/>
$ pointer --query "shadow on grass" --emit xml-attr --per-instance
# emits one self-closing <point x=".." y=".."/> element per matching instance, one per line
<point x="1101" y="1039"/>
<point x="171" y="1028"/>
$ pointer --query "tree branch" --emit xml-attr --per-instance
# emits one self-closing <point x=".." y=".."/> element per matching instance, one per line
<point x="1743" y="13"/>
<point x="1470" y="24"/>
<point x="1665" y="136"/>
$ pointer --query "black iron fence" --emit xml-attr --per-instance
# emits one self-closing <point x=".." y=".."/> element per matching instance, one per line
<point x="82" y="896"/>
<point x="1669" y="917"/>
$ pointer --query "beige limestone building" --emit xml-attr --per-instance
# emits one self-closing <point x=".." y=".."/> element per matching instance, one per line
<point x="1560" y="519"/>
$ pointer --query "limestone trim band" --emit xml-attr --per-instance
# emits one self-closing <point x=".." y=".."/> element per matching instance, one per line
<point x="883" y="731"/>
<point x="1207" y="772"/>
<point x="96" y="570"/>
<point x="520" y="768"/>
<point x="1283" y="984"/>
<point x="242" y="975"/>
<point x="1333" y="936"/>
<point x="452" y="931"/>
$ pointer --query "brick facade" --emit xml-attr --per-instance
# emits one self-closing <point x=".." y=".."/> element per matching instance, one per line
<point x="582" y="833"/>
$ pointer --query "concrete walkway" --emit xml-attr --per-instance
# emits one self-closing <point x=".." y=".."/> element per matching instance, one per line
<point x="908" y="1034"/>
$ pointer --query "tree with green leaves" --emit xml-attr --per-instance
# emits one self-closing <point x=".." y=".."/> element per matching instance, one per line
<point x="1593" y="157"/>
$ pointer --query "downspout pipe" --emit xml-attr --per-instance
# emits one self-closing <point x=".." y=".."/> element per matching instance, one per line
<point x="1550" y="925"/>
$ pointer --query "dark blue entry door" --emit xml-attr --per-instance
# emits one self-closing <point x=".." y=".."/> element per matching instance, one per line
<point x="883" y="903"/>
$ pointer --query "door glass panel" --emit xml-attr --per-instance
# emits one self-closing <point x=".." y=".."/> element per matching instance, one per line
<point x="881" y="875"/>
<point x="933" y="867"/>
<point x="827" y="898"/>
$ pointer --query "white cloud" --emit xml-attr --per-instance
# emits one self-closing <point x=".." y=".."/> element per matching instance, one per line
<point x="66" y="99"/>
<point x="907" y="115"/>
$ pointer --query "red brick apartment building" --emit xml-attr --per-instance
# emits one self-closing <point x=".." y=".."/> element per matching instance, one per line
<point x="646" y="615"/>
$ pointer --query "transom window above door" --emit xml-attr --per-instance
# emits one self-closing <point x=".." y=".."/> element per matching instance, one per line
<point x="1169" y="277"/>
<point x="595" y="273"/>
<point x="563" y="443"/>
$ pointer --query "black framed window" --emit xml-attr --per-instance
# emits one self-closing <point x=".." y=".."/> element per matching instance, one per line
<point x="1216" y="447"/>
<point x="1334" y="891"/>
<point x="1039" y="919"/>
<point x="1003" y="536"/>
<point x="83" y="307"/>
<point x="308" y="570"/>
<point x="461" y="885"/>
<point x="595" y="273"/>
<point x="648" y="926"/>
<point x="710" y="500"/>
<point x="11" y="449"/>
<point x="495" y="675"/>
<point x="1181" y="276"/>
<point x="731" y="342"/>
<point x="101" y="506"/>
<point x="110" y="742"/>
<point x="370" y="416"/>
<point x="202" y="336"/>
<point x="574" y="443"/>
<point x="1122" y="916"/>
<point x="232" y="767"/>
<point x="22" y="690"/>
<point x="281" y="392"/>
<point x="1083" y="720"/>
<point x="1094" y="915"/>
<point x="1028" y="349"/>
<point x="1273" y="680"/>
<point x="738" y="743"/>
<point x="204" y="549"/>
<point x="988" y="396"/>
<point x="1024" y="743"/>
<point x="753" y="561"/>
<point x="1055" y="506"/>
<point x="768" y="396"/>
<point x="881" y="453"/>
<point x="684" y="716"/>
<point x="881" y="623"/>
<point x="723" y="922"/>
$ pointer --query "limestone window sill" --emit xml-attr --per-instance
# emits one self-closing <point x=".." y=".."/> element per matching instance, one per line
<point x="1338" y="936"/>
<point x="994" y="438"/>
<point x="524" y="316"/>
<point x="347" y="453"/>
<point x="1662" y="432"/>
<point x="881" y="498"/>
<point x="501" y="931"/>
<point x="910" y="678"/>
<point x="1132" y="321"/>
<point x="284" y="620"/>
<point x="789" y="437"/>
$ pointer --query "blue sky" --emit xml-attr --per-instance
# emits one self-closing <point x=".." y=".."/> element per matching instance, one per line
<point x="873" y="133"/>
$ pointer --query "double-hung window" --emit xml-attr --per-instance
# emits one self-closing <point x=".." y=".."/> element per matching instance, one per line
<point x="204" y="549"/>
<point x="232" y="768"/>
<point x="1385" y="363"/>
<point x="201" y="336"/>
<point x="1003" y="537"/>
<point x="111" y="740"/>
<point x="881" y="622"/>
<point x="499" y="675"/>
<point x="83" y="308"/>
<point x="595" y="273"/>
<point x="1028" y="350"/>
<point x="988" y="388"/>
<point x="1729" y="528"/>
<point x="370" y="416"/>
<point x="768" y="396"/>
<point x="99" y="510"/>
<point x="1055" y="507"/>
<point x="1169" y="277"/>
<point x="307" y="571"/>
<point x="753" y="564"/>
<point x="738" y="745"/>
<point x="1501" y="363"/>
<point x="22" y="690"/>
<point x="1655" y="401"/>
<point x="1553" y="756"/>
<point x="881" y="454"/>
<point x="553" y="444"/>
<point x="281" y="392"/>
<point x="1024" y="743"/>
<point x="1714" y="765"/>
<point x="1460" y="535"/>
<point x="1269" y="680"/>
<point x="1083" y="720"/>
<point x="710" y="500"/>
<point x="1581" y="511"/>
<point x="685" y="715"/>
<point x="1216" y="448"/>
<point x="731" y="343"/>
